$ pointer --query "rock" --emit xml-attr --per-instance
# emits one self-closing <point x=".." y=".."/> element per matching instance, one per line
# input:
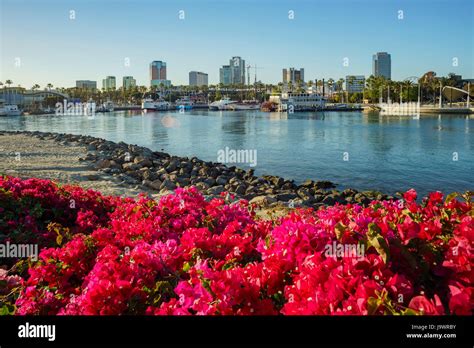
<point x="240" y="190"/>
<point x="288" y="185"/>
<point x="307" y="183"/>
<point x="145" y="163"/>
<point x="349" y="192"/>
<point x="155" y="184"/>
<point x="148" y="174"/>
<point x="324" y="185"/>
<point x="277" y="181"/>
<point x="101" y="164"/>
<point x="221" y="180"/>
<point x="161" y="171"/>
<point x="304" y="193"/>
<point x="202" y="186"/>
<point x="172" y="166"/>
<point x="210" y="181"/>
<point x="285" y="196"/>
<point x="250" y="190"/>
<point x="168" y="184"/>
<point x="318" y="198"/>
<point x="183" y="182"/>
<point x="215" y="190"/>
<point x="263" y="200"/>
<point x="130" y="166"/>
<point x="93" y="177"/>
<point x="329" y="200"/>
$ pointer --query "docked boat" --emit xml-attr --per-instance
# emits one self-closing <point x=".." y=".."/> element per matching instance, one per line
<point x="269" y="106"/>
<point x="245" y="105"/>
<point x="108" y="106"/>
<point x="223" y="104"/>
<point x="291" y="102"/>
<point x="152" y="105"/>
<point x="184" y="103"/>
<point x="9" y="109"/>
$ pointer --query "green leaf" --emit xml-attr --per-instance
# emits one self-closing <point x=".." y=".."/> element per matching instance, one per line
<point x="339" y="229"/>
<point x="376" y="240"/>
<point x="409" y="311"/>
<point x="186" y="266"/>
<point x="372" y="305"/>
<point x="451" y="196"/>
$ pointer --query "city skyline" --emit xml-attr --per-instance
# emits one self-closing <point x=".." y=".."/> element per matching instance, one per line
<point x="265" y="36"/>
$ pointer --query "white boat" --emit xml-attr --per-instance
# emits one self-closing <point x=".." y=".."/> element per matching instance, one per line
<point x="245" y="105"/>
<point x="223" y="104"/>
<point x="184" y="103"/>
<point x="108" y="106"/>
<point x="301" y="102"/>
<point x="9" y="109"/>
<point x="159" y="105"/>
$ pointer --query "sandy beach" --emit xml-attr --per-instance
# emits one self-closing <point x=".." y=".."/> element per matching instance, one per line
<point x="25" y="156"/>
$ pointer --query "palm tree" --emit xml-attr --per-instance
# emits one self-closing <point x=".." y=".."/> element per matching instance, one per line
<point x="34" y="88"/>
<point x="50" y="86"/>
<point x="350" y="82"/>
<point x="340" y="83"/>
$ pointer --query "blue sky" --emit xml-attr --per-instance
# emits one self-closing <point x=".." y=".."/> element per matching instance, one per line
<point x="54" y="48"/>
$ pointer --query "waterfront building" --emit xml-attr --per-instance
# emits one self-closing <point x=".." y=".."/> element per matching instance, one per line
<point x="225" y="75"/>
<point x="26" y="98"/>
<point x="109" y="83"/>
<point x="128" y="82"/>
<point x="355" y="83"/>
<point x="197" y="78"/>
<point x="382" y="65"/>
<point x="234" y="73"/>
<point x="293" y="75"/>
<point x="158" y="74"/>
<point x="13" y="95"/>
<point x="86" y="84"/>
<point x="237" y="65"/>
<point x="289" y="101"/>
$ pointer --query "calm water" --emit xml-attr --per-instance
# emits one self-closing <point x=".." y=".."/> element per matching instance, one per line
<point x="387" y="153"/>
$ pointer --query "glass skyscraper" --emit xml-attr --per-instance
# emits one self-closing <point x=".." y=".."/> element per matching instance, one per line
<point x="382" y="65"/>
<point x="158" y="73"/>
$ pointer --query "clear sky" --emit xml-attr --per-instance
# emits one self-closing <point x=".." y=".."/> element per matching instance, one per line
<point x="50" y="47"/>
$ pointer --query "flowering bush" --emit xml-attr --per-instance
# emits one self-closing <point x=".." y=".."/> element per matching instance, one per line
<point x="184" y="255"/>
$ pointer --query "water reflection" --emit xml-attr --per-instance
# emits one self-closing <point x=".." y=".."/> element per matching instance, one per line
<point x="385" y="152"/>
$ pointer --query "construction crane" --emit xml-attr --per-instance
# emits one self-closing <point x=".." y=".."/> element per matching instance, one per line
<point x="255" y="67"/>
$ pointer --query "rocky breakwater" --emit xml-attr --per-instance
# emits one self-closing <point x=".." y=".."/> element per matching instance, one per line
<point x="161" y="172"/>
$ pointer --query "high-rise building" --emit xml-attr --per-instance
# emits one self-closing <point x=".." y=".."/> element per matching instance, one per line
<point x="355" y="83"/>
<point x="234" y="73"/>
<point x="237" y="66"/>
<point x="109" y="83"/>
<point x="86" y="84"/>
<point x="158" y="74"/>
<point x="382" y="65"/>
<point x="197" y="78"/>
<point x="293" y="75"/>
<point x="225" y="75"/>
<point x="128" y="82"/>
